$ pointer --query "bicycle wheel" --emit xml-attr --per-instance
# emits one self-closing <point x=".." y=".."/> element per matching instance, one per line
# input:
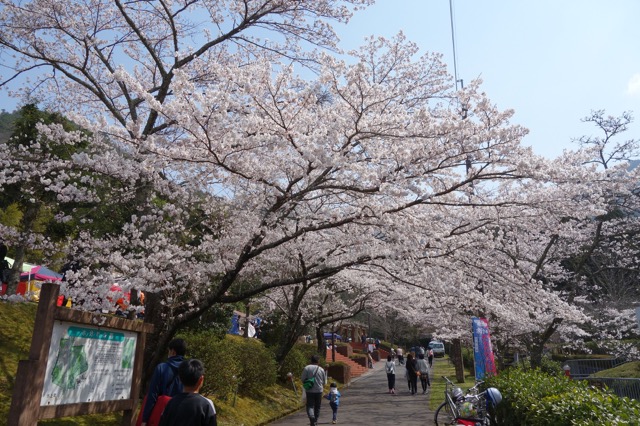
<point x="444" y="416"/>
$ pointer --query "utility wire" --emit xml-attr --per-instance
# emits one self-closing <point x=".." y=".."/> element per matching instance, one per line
<point x="453" y="42"/>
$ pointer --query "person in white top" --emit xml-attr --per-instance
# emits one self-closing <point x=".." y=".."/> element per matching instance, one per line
<point x="390" y="368"/>
<point x="400" y="356"/>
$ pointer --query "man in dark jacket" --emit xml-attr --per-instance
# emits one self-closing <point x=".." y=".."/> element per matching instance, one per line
<point x="165" y="379"/>
<point x="190" y="408"/>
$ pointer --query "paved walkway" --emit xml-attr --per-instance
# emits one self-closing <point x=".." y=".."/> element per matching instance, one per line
<point x="367" y="401"/>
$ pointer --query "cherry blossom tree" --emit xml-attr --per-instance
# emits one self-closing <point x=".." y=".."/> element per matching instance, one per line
<point x="230" y="176"/>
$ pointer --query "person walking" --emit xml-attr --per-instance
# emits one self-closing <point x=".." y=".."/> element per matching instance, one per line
<point x="189" y="408"/>
<point x="334" y="401"/>
<point x="430" y="357"/>
<point x="400" y="356"/>
<point x="165" y="381"/>
<point x="314" y="388"/>
<point x="423" y="369"/>
<point x="412" y="374"/>
<point x="390" y="368"/>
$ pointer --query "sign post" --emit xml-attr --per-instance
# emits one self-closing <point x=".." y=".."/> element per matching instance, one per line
<point x="79" y="363"/>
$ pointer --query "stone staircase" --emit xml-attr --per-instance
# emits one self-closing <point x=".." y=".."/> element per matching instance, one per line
<point x="356" y="369"/>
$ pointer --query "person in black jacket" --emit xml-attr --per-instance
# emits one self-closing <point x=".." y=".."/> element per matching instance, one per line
<point x="412" y="374"/>
<point x="189" y="408"/>
<point x="165" y="379"/>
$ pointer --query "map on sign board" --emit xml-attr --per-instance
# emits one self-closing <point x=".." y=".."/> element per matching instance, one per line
<point x="88" y="364"/>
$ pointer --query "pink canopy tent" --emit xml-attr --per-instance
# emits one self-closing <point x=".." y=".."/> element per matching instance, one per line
<point x="40" y="273"/>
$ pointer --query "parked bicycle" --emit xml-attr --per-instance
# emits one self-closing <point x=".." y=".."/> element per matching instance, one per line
<point x="470" y="409"/>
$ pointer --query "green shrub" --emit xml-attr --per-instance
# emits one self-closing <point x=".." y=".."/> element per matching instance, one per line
<point x="221" y="365"/>
<point x="293" y="363"/>
<point x="230" y="362"/>
<point x="551" y="367"/>
<point x="309" y="349"/>
<point x="534" y="398"/>
<point x="257" y="365"/>
<point x="467" y="359"/>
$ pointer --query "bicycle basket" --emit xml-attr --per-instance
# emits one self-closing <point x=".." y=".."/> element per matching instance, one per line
<point x="468" y="411"/>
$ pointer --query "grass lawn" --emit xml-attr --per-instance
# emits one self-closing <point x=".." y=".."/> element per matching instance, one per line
<point x="626" y="370"/>
<point x="443" y="367"/>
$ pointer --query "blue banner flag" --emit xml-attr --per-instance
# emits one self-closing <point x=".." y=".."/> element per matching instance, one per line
<point x="235" y="325"/>
<point x="482" y="351"/>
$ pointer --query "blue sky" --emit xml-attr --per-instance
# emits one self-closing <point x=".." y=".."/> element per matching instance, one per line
<point x="552" y="61"/>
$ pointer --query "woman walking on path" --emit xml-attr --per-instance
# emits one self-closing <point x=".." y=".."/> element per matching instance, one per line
<point x="423" y="368"/>
<point x="412" y="374"/>
<point x="390" y="368"/>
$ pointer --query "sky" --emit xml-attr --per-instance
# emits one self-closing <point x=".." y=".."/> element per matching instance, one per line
<point x="552" y="61"/>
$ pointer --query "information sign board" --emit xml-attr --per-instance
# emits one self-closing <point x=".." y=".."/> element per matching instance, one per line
<point x="88" y="364"/>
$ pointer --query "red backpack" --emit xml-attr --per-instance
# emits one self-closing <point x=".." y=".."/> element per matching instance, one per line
<point x="158" y="409"/>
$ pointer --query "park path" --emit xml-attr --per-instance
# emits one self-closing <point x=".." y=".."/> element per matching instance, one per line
<point x="367" y="402"/>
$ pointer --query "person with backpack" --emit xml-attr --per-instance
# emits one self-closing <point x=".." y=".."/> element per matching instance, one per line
<point x="189" y="408"/>
<point x="164" y="382"/>
<point x="334" y="401"/>
<point x="390" y="368"/>
<point x="313" y="380"/>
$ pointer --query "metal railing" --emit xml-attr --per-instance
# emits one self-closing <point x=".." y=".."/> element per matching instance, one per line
<point x="582" y="368"/>
<point x="619" y="386"/>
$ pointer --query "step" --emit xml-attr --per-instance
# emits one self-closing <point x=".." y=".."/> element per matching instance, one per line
<point x="356" y="369"/>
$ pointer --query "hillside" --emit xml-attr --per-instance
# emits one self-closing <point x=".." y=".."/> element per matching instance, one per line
<point x="627" y="370"/>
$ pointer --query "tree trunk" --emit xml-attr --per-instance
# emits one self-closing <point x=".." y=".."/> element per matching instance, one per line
<point x="156" y="342"/>
<point x="538" y="342"/>
<point x="456" y="358"/>
<point x="26" y="225"/>
<point x="322" y="346"/>
<point x="293" y="330"/>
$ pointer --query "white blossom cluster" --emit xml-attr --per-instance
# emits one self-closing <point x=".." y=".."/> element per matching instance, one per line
<point x="372" y="185"/>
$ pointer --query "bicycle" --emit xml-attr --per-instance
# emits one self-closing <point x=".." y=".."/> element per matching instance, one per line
<point x="470" y="409"/>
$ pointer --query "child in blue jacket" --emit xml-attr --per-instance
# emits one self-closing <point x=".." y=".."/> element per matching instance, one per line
<point x="334" y="401"/>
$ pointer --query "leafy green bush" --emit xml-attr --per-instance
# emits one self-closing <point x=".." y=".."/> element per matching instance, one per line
<point x="230" y="362"/>
<point x="551" y="367"/>
<point x="308" y="350"/>
<point x="467" y="359"/>
<point x="221" y="365"/>
<point x="534" y="398"/>
<point x="258" y="367"/>
<point x="293" y="363"/>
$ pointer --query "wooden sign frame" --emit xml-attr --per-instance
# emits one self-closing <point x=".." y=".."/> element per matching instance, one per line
<point x="27" y="393"/>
